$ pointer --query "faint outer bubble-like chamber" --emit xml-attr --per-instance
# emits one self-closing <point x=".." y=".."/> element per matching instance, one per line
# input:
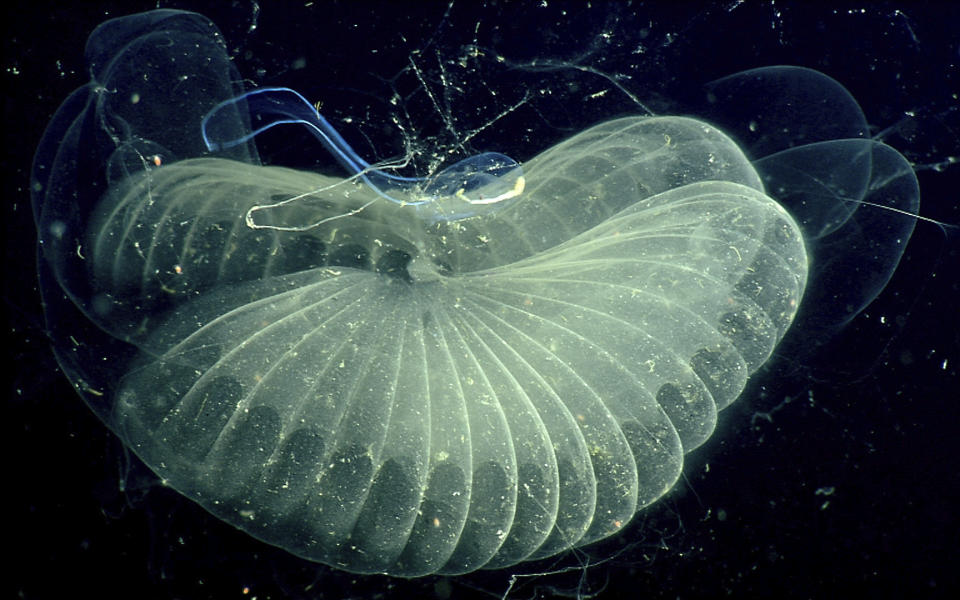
<point x="396" y="374"/>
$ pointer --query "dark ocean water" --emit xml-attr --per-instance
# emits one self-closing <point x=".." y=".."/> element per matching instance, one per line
<point x="835" y="474"/>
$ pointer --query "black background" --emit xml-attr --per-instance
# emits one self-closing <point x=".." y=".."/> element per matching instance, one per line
<point x="850" y="488"/>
